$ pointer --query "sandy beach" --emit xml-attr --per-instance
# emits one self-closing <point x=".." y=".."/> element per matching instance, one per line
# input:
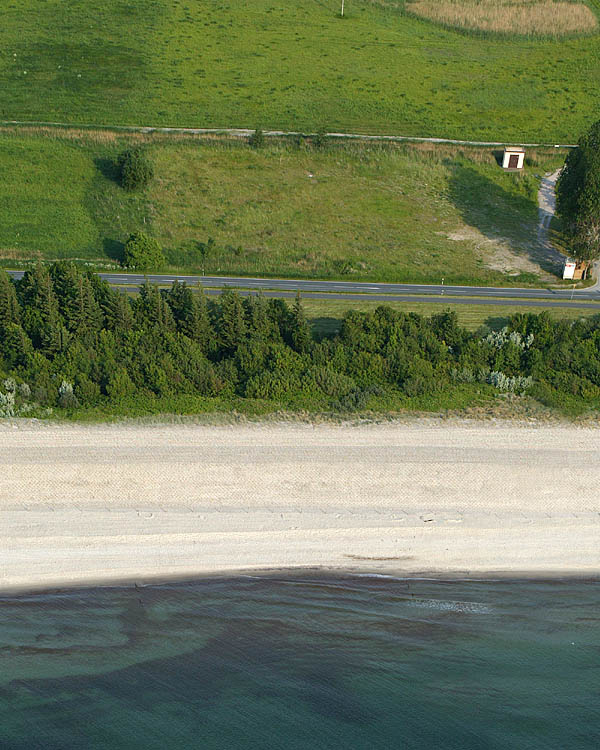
<point x="116" y="503"/>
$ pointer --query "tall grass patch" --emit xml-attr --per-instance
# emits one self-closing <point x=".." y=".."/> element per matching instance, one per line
<point x="354" y="211"/>
<point x="517" y="17"/>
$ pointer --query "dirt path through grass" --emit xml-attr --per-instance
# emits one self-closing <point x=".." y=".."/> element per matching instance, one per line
<point x="247" y="132"/>
<point x="546" y="210"/>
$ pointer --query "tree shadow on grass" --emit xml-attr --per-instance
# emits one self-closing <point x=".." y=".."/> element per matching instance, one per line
<point x="108" y="168"/>
<point x="325" y="327"/>
<point x="496" y="322"/>
<point x="113" y="249"/>
<point x="500" y="214"/>
<point x="498" y="156"/>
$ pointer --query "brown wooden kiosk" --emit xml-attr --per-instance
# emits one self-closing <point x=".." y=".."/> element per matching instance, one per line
<point x="575" y="269"/>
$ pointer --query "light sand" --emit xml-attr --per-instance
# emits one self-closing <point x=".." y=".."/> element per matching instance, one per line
<point x="121" y="503"/>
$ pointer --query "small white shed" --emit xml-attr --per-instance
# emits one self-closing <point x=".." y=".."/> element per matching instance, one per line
<point x="514" y="156"/>
<point x="569" y="269"/>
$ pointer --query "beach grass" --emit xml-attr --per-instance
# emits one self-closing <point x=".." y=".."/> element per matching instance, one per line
<point x="291" y="66"/>
<point x="349" y="210"/>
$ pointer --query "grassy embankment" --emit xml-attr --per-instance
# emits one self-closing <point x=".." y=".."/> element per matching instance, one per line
<point x="385" y="212"/>
<point x="292" y="66"/>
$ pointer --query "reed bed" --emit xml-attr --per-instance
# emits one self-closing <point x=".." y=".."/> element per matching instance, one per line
<point x="521" y="17"/>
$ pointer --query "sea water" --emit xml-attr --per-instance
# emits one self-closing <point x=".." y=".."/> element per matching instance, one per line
<point x="303" y="661"/>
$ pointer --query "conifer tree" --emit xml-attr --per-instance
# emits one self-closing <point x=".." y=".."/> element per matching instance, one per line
<point x="190" y="310"/>
<point x="101" y="290"/>
<point x="153" y="309"/>
<point x="232" y="323"/>
<point x="260" y="325"/>
<point x="118" y="312"/>
<point x="10" y="311"/>
<point x="135" y="169"/>
<point x="200" y="327"/>
<point x="180" y="299"/>
<point x="41" y="317"/>
<point x="279" y="313"/>
<point x="77" y="304"/>
<point x="578" y="196"/>
<point x="15" y="345"/>
<point x="301" y="338"/>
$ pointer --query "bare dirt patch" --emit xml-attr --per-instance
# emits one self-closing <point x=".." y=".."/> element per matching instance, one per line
<point x="500" y="254"/>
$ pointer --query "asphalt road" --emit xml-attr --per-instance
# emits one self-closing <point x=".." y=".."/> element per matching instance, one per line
<point x="376" y="291"/>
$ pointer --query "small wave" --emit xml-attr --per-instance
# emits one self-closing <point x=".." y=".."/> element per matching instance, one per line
<point x="443" y="605"/>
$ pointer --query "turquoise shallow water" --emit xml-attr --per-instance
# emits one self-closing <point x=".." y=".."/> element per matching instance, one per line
<point x="304" y="662"/>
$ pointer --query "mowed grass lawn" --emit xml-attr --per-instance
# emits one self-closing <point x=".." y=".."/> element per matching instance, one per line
<point x="59" y="198"/>
<point x="42" y="192"/>
<point x="293" y="66"/>
<point x="348" y="210"/>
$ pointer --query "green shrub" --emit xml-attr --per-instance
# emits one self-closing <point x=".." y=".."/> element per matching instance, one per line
<point x="356" y="399"/>
<point x="120" y="385"/>
<point x="272" y="385"/>
<point x="319" y="139"/>
<point x="329" y="382"/>
<point x="135" y="170"/>
<point x="143" y="252"/>
<point x="66" y="397"/>
<point x="7" y="404"/>
<point x="86" y="391"/>
<point x="257" y="139"/>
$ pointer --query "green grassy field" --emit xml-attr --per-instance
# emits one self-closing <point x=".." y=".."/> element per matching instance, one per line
<point x="348" y="210"/>
<point x="294" y="66"/>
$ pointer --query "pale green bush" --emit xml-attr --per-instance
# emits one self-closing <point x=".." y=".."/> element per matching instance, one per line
<point x="499" y="338"/>
<point x="502" y="382"/>
<point x="7" y="404"/>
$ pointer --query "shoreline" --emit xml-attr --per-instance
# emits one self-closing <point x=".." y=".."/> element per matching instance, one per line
<point x="312" y="574"/>
<point x="104" y="505"/>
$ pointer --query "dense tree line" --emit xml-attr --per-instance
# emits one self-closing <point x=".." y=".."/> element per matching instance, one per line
<point x="67" y="339"/>
<point x="578" y="196"/>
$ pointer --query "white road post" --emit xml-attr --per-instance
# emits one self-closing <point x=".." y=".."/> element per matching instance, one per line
<point x="442" y="292"/>
<point x="342" y="8"/>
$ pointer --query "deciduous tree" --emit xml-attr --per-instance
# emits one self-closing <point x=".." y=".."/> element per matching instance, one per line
<point x="135" y="169"/>
<point x="143" y="253"/>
